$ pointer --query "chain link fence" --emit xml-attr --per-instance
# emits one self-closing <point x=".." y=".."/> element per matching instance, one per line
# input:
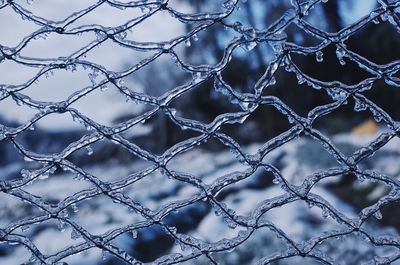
<point x="247" y="103"/>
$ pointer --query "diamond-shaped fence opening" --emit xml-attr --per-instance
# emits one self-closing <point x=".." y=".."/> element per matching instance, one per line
<point x="199" y="132"/>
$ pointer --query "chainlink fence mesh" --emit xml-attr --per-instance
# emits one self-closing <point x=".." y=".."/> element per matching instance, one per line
<point x="247" y="103"/>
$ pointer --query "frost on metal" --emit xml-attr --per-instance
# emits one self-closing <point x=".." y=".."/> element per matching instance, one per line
<point x="246" y="38"/>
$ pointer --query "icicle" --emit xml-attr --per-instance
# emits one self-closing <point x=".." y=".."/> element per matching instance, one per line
<point x="100" y="35"/>
<point x="378" y="215"/>
<point x="27" y="174"/>
<point x="89" y="150"/>
<point x="44" y="175"/>
<point x="277" y="180"/>
<point x="33" y="260"/>
<point x="340" y="53"/>
<point x="134" y="234"/>
<point x="103" y="88"/>
<point x="61" y="226"/>
<point x="325" y="212"/>
<point x="25" y="228"/>
<point x="319" y="56"/>
<point x="75" y="234"/>
<point x="93" y="76"/>
<point x="74" y="208"/>
<point x="103" y="254"/>
<point x="228" y="4"/>
<point x="188" y="43"/>
<point x="250" y="45"/>
<point x="79" y="177"/>
<point x="359" y="105"/>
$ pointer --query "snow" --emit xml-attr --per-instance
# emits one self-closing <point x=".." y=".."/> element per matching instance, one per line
<point x="101" y="107"/>
<point x="101" y="214"/>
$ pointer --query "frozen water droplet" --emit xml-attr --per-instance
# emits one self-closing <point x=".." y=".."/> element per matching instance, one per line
<point x="188" y="43"/>
<point x="337" y="94"/>
<point x="272" y="81"/>
<point x="319" y="56"/>
<point x="103" y="254"/>
<point x="28" y="159"/>
<point x="173" y="111"/>
<point x="87" y="126"/>
<point x="340" y="53"/>
<point x="78" y="177"/>
<point x="228" y="4"/>
<point x="274" y="66"/>
<point x="218" y="211"/>
<point x="134" y="234"/>
<point x="173" y="229"/>
<point x="103" y="88"/>
<point x="325" y="212"/>
<point x="359" y="105"/>
<point x="44" y="175"/>
<point x="378" y="215"/>
<point x="246" y="105"/>
<point x="61" y="226"/>
<point x="144" y="9"/>
<point x="250" y="45"/>
<point x="89" y="150"/>
<point x="198" y="77"/>
<point x="26" y="174"/>
<point x="74" y="208"/>
<point x="300" y="78"/>
<point x="276" y="180"/>
<point x="3" y="91"/>
<point x="310" y="204"/>
<point x="100" y="35"/>
<point x="93" y="76"/>
<point x="249" y="33"/>
<point x="230" y="250"/>
<point x="63" y="213"/>
<point x="231" y="223"/>
<point x="75" y="234"/>
<point x="18" y="101"/>
<point x="122" y="35"/>
<point x="361" y="177"/>
<point x="374" y="16"/>
<point x="195" y="37"/>
<point x="34" y="260"/>
<point x="175" y="59"/>
<point x="24" y="228"/>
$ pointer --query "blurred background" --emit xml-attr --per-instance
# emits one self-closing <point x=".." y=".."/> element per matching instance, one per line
<point x="348" y="129"/>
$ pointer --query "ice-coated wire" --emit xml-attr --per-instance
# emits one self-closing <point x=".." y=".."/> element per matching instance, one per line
<point x="248" y="102"/>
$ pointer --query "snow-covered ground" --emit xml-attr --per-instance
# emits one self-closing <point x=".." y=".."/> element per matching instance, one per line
<point x="296" y="219"/>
